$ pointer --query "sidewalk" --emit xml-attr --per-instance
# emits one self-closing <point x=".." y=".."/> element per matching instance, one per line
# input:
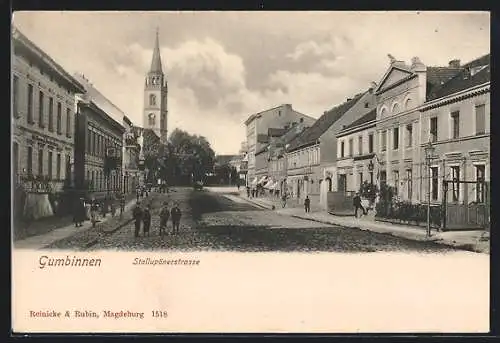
<point x="41" y="241"/>
<point x="476" y="240"/>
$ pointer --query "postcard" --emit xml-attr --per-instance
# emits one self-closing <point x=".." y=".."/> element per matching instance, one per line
<point x="250" y="172"/>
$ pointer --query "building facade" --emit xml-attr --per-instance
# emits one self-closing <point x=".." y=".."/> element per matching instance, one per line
<point x="43" y="122"/>
<point x="312" y="156"/>
<point x="257" y="126"/>
<point x="356" y="151"/>
<point x="155" y="114"/>
<point x="456" y="120"/>
<point x="402" y="92"/>
<point x="130" y="162"/>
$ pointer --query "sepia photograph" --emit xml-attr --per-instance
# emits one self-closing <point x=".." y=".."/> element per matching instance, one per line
<point x="253" y="171"/>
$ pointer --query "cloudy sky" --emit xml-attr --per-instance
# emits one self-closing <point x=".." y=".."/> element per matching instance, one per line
<point x="224" y="66"/>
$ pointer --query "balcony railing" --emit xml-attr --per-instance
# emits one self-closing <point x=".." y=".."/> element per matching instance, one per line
<point x="39" y="184"/>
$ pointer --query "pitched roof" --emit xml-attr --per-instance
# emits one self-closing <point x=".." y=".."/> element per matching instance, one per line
<point x="290" y="134"/>
<point x="437" y="76"/>
<point x="310" y="135"/>
<point x="156" y="59"/>
<point x="464" y="78"/>
<point x="372" y="115"/>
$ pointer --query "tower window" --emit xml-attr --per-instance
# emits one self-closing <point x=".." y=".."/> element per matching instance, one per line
<point x="152" y="100"/>
<point x="151" y="119"/>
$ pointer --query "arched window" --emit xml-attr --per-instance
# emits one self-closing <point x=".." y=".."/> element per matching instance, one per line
<point x="383" y="113"/>
<point x="395" y="108"/>
<point x="152" y="100"/>
<point x="151" y="119"/>
<point x="408" y="104"/>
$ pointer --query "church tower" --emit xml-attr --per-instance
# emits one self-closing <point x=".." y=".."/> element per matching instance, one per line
<point x="155" y="96"/>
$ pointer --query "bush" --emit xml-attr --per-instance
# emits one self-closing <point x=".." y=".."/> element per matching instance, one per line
<point x="368" y="191"/>
<point x="406" y="212"/>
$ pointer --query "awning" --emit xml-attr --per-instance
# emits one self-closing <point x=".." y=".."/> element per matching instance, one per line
<point x="264" y="178"/>
<point x="269" y="184"/>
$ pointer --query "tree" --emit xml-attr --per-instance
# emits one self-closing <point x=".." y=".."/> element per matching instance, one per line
<point x="184" y="158"/>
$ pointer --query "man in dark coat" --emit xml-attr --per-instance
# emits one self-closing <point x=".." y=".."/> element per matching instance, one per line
<point x="357" y="204"/>
<point x="137" y="213"/>
<point x="79" y="212"/>
<point x="176" y="214"/>
<point x="146" y="220"/>
<point x="307" y="204"/>
<point x="164" y="216"/>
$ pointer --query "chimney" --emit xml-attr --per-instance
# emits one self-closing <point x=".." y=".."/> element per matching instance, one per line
<point x="373" y="85"/>
<point x="454" y="63"/>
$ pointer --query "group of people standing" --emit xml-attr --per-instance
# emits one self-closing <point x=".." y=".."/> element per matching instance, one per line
<point x="143" y="215"/>
<point x="96" y="208"/>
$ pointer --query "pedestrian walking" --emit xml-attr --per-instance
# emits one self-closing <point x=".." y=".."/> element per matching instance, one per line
<point x="283" y="199"/>
<point x="79" y="212"/>
<point x="164" y="216"/>
<point x="112" y="206"/>
<point x="176" y="214"/>
<point x="94" y="211"/>
<point x="122" y="204"/>
<point x="137" y="214"/>
<point x="357" y="205"/>
<point x="248" y="192"/>
<point x="307" y="204"/>
<point x="138" y="193"/>
<point x="146" y="220"/>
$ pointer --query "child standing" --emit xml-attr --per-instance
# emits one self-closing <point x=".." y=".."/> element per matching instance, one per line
<point x="176" y="218"/>
<point x="164" y="216"/>
<point x="146" y="220"/>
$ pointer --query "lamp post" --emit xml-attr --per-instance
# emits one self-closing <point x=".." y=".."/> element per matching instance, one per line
<point x="429" y="151"/>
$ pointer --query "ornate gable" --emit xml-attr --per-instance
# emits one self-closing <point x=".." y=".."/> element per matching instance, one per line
<point x="392" y="76"/>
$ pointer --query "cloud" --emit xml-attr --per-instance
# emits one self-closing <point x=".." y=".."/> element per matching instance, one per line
<point x="224" y="66"/>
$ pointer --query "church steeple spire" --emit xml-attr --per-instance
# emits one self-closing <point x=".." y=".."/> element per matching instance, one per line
<point x="156" y="61"/>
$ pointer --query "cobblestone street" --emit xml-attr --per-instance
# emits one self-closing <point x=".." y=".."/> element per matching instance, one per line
<point x="212" y="221"/>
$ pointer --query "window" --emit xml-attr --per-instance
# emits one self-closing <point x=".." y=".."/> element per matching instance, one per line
<point x="370" y="143"/>
<point x="68" y="167"/>
<point x="350" y="147"/>
<point x="15" y="96"/>
<point x="94" y="143"/>
<point x="152" y="100"/>
<point x="40" y="162"/>
<point x="384" y="140"/>
<point x="408" y="104"/>
<point x="367" y="104"/>
<point x="30" y="104"/>
<point x="480" y="178"/>
<point x="360" y="179"/>
<point x="395" y="108"/>
<point x="51" y="114"/>
<point x="342" y="150"/>
<point x="395" y="133"/>
<point x="59" y="118"/>
<point x="383" y="177"/>
<point x="409" y="135"/>
<point x="89" y="135"/>
<point x="49" y="164"/>
<point x="396" y="182"/>
<point x="409" y="184"/>
<point x="360" y="145"/>
<point x="480" y="119"/>
<point x="68" y="123"/>
<point x="30" y="160"/>
<point x="15" y="158"/>
<point x="40" y="109"/>
<point x="434" y="129"/>
<point x="58" y="166"/>
<point x="455" y="176"/>
<point x="455" y="124"/>
<point x="151" y="119"/>
<point x="434" y="183"/>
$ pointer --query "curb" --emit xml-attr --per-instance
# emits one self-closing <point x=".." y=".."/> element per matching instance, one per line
<point x="440" y="241"/>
